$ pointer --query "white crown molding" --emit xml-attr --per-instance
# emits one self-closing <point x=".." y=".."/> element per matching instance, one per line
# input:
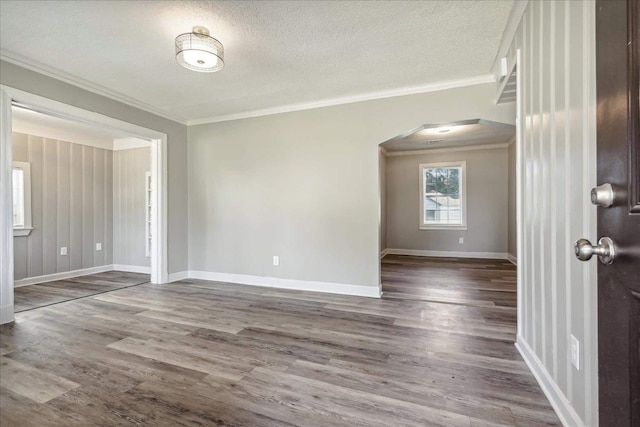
<point x="41" y="68"/>
<point x="445" y="150"/>
<point x="447" y="254"/>
<point x="129" y="143"/>
<point x="513" y="22"/>
<point x="413" y="90"/>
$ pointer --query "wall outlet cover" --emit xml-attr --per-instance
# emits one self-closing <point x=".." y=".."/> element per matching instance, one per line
<point x="575" y="352"/>
<point x="98" y="246"/>
<point x="63" y="250"/>
<point x="461" y="240"/>
<point x="276" y="260"/>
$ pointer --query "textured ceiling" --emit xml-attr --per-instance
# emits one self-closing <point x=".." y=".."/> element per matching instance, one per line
<point x="461" y="134"/>
<point x="277" y="54"/>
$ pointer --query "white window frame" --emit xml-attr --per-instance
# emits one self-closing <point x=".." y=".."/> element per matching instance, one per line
<point x="463" y="196"/>
<point x="25" y="230"/>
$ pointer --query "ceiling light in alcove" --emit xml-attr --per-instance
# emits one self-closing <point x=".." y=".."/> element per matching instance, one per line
<point x="198" y="51"/>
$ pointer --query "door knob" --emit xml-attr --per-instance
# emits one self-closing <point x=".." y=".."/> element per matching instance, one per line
<point x="603" y="195"/>
<point x="605" y="250"/>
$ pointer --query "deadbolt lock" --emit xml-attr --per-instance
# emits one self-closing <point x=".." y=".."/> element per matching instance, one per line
<point x="603" y="195"/>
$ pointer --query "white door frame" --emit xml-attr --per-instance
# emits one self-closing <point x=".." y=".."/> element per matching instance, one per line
<point x="8" y="95"/>
<point x="519" y="192"/>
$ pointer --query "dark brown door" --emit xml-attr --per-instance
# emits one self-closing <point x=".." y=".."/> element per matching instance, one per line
<point x="617" y="75"/>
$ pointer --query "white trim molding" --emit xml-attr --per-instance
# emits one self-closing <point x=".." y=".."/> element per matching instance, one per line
<point x="513" y="22"/>
<point x="512" y="259"/>
<point x="447" y="254"/>
<point x="132" y="268"/>
<point x="444" y="150"/>
<point x="180" y="275"/>
<point x="46" y="70"/>
<point x="413" y="90"/>
<point x="61" y="276"/>
<point x="300" y="285"/>
<point x="383" y="253"/>
<point x="6" y="210"/>
<point x="558" y="400"/>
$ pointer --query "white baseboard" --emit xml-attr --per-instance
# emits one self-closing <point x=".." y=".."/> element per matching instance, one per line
<point x="61" y="276"/>
<point x="301" y="285"/>
<point x="132" y="268"/>
<point x="558" y="400"/>
<point x="447" y="254"/>
<point x="180" y="275"/>
<point x="383" y="253"/>
<point x="6" y="314"/>
<point x="513" y="260"/>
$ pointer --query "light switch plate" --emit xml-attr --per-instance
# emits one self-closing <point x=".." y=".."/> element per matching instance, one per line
<point x="63" y="250"/>
<point x="98" y="246"/>
<point x="276" y="260"/>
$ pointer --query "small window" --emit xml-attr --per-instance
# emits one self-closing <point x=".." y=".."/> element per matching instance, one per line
<point x="21" y="199"/>
<point x="443" y="196"/>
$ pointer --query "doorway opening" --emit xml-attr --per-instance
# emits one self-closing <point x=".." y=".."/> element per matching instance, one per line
<point x="448" y="234"/>
<point x="93" y="249"/>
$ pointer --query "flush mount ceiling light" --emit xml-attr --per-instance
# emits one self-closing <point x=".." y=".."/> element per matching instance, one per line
<point x="198" y="51"/>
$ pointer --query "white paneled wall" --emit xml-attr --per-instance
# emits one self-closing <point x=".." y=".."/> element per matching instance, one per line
<point x="129" y="205"/>
<point x="71" y="205"/>
<point x="558" y="146"/>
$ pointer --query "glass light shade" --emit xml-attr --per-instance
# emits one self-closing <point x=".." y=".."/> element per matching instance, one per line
<point x="199" y="52"/>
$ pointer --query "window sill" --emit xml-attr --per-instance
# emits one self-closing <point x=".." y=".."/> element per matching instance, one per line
<point x="22" y="232"/>
<point x="443" y="227"/>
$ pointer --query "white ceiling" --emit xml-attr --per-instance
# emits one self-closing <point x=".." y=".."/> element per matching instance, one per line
<point x="278" y="54"/>
<point x="461" y="134"/>
<point x="39" y="124"/>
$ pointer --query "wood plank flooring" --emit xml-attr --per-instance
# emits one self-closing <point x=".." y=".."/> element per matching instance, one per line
<point x="43" y="294"/>
<point x="198" y="353"/>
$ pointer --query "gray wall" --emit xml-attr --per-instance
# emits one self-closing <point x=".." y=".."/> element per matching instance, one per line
<point x="71" y="206"/>
<point x="129" y="199"/>
<point x="512" y="234"/>
<point x="305" y="185"/>
<point x="487" y="173"/>
<point x="383" y="200"/>
<point x="558" y="120"/>
<point x="38" y="84"/>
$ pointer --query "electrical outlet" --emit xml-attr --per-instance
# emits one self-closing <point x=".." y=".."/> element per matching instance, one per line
<point x="575" y="352"/>
<point x="276" y="260"/>
<point x="461" y="240"/>
<point x="98" y="246"/>
<point x="63" y="250"/>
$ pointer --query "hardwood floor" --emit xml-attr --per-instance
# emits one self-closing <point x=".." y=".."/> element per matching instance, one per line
<point x="43" y="294"/>
<point x="198" y="353"/>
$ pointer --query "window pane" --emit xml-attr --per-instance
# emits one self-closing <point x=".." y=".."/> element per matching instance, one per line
<point x="442" y="195"/>
<point x="18" y="197"/>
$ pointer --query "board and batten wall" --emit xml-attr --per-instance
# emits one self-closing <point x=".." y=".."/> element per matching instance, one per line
<point x="558" y="296"/>
<point x="486" y="180"/>
<point x="305" y="186"/>
<point x="71" y="206"/>
<point x="129" y="204"/>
